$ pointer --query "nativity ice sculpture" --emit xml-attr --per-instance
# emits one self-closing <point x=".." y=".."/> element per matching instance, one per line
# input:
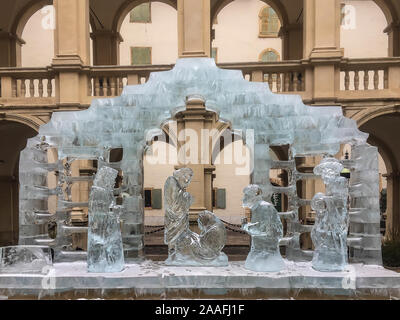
<point x="131" y="120"/>
<point x="185" y="247"/>
<point x="265" y="230"/>
<point x="105" y="250"/>
<point x="329" y="234"/>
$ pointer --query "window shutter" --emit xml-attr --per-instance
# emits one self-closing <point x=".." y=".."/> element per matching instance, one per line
<point x="141" y="13"/>
<point x="156" y="199"/>
<point x="140" y="55"/>
<point x="221" y="198"/>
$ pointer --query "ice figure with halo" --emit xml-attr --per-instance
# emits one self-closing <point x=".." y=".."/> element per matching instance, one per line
<point x="185" y="247"/>
<point x="105" y="250"/>
<point x="329" y="234"/>
<point x="265" y="230"/>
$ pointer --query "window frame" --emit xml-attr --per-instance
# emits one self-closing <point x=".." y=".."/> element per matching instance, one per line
<point x="268" y="50"/>
<point x="262" y="34"/>
<point x="144" y="198"/>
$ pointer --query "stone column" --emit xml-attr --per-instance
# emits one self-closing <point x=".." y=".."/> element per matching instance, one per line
<point x="106" y="47"/>
<point x="194" y="120"/>
<point x="10" y="49"/>
<point x="393" y="206"/>
<point x="393" y="31"/>
<point x="194" y="28"/>
<point x="72" y="50"/>
<point x="321" y="45"/>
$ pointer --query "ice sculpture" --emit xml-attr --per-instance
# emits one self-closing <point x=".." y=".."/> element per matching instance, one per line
<point x="177" y="203"/>
<point x="364" y="205"/>
<point x="329" y="234"/>
<point x="186" y="247"/>
<point x="133" y="119"/>
<point x="265" y="230"/>
<point x="105" y="251"/>
<point x="25" y="259"/>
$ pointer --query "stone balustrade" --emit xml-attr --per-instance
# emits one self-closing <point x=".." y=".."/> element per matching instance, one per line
<point x="26" y="83"/>
<point x="373" y="78"/>
<point x="281" y="76"/>
<point x="366" y="74"/>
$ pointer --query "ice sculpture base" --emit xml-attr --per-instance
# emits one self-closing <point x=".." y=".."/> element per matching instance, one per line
<point x="154" y="280"/>
<point x="264" y="261"/>
<point x="25" y="259"/>
<point x="178" y="260"/>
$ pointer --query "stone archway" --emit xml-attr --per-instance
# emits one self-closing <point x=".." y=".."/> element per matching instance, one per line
<point x="384" y="130"/>
<point x="13" y="136"/>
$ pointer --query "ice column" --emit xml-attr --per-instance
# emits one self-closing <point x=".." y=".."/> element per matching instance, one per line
<point x="364" y="205"/>
<point x="105" y="252"/>
<point x="34" y="193"/>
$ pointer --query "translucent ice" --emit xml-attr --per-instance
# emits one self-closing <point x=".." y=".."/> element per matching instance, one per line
<point x="265" y="230"/>
<point x="105" y="252"/>
<point x="186" y="247"/>
<point x="131" y="120"/>
<point x="25" y="259"/>
<point x="329" y="233"/>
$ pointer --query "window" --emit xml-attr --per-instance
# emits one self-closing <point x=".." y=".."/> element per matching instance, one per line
<point x="140" y="55"/>
<point x="141" y="13"/>
<point x="152" y="198"/>
<point x="219" y="198"/>
<point x="269" y="23"/>
<point x="214" y="53"/>
<point x="269" y="55"/>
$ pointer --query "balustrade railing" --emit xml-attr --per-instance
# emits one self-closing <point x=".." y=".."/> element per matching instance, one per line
<point x="374" y="75"/>
<point x="27" y="82"/>
<point x="108" y="81"/>
<point x="281" y="76"/>
<point x="366" y="74"/>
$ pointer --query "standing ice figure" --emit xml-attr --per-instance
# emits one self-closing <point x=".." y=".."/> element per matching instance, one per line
<point x="265" y="230"/>
<point x="105" y="250"/>
<point x="177" y="203"/>
<point x="329" y="234"/>
<point x="186" y="247"/>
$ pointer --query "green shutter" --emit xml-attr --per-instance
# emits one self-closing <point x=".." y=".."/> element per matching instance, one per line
<point x="141" y="13"/>
<point x="221" y="198"/>
<point x="140" y="55"/>
<point x="156" y="199"/>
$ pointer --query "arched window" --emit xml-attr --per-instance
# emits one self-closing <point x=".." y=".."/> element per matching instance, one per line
<point x="269" y="55"/>
<point x="269" y="23"/>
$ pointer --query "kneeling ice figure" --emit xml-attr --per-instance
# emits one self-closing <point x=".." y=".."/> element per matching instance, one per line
<point x="329" y="234"/>
<point x="265" y="230"/>
<point x="105" y="250"/>
<point x="185" y="247"/>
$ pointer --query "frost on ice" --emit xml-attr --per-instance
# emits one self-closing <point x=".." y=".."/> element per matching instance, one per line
<point x="105" y="251"/>
<point x="265" y="230"/>
<point x="131" y="121"/>
<point x="185" y="247"/>
<point x="329" y="234"/>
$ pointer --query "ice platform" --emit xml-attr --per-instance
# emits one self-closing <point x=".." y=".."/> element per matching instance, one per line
<point x="154" y="280"/>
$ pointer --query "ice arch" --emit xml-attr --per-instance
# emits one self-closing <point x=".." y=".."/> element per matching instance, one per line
<point x="129" y="122"/>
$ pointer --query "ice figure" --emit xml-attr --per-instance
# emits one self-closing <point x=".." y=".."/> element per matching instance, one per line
<point x="265" y="230"/>
<point x="329" y="234"/>
<point x="105" y="251"/>
<point x="186" y="247"/>
<point x="25" y="259"/>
